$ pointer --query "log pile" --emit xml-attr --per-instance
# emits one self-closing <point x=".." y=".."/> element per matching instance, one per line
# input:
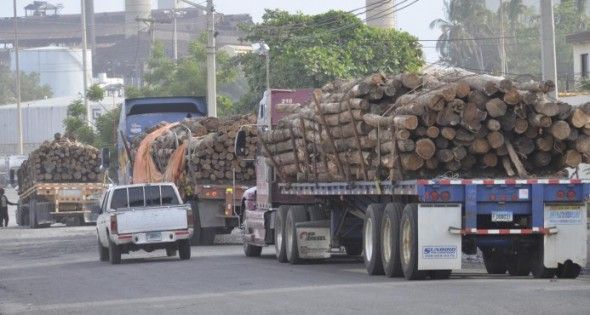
<point x="211" y="157"/>
<point x="63" y="160"/>
<point x="426" y="125"/>
<point x="208" y="145"/>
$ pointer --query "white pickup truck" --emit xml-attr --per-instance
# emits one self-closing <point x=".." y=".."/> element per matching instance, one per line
<point x="143" y="216"/>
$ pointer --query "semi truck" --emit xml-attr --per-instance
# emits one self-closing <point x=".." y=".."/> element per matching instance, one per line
<point x="418" y="228"/>
<point x="215" y="206"/>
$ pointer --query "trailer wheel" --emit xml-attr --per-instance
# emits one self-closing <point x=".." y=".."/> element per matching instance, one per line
<point x="518" y="264"/>
<point x="33" y="224"/>
<point x="409" y="243"/>
<point x="103" y="252"/>
<point x="114" y="253"/>
<point x="171" y="251"/>
<point x="538" y="267"/>
<point x="295" y="215"/>
<point x="184" y="249"/>
<point x="280" y="218"/>
<point x="568" y="270"/>
<point x="440" y="274"/>
<point x="354" y="248"/>
<point x="494" y="261"/>
<point x="372" y="239"/>
<point x="390" y="254"/>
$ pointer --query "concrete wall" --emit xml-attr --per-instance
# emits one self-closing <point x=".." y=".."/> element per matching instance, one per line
<point x="579" y="49"/>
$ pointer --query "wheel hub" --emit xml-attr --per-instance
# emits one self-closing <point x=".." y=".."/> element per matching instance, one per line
<point x="369" y="239"/>
<point x="406" y="241"/>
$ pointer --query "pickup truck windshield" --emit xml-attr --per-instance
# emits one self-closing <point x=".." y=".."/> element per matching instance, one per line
<point x="148" y="196"/>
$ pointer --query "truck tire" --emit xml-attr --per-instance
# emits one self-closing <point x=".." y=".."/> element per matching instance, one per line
<point x="252" y="250"/>
<point x="372" y="239"/>
<point x="184" y="249"/>
<point x="103" y="253"/>
<point x="519" y="264"/>
<point x="494" y="261"/>
<point x="409" y="243"/>
<point x="354" y="248"/>
<point x="280" y="219"/>
<point x="114" y="253"/>
<point x="390" y="254"/>
<point x="33" y="214"/>
<point x="171" y="252"/>
<point x="538" y="267"/>
<point x="295" y="215"/>
<point x="568" y="270"/>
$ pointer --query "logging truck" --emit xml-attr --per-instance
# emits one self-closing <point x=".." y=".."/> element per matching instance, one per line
<point x="215" y="206"/>
<point x="415" y="228"/>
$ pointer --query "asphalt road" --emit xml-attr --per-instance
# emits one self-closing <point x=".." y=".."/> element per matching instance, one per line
<point x="56" y="271"/>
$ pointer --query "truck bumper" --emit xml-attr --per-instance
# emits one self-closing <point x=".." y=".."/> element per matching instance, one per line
<point x="156" y="237"/>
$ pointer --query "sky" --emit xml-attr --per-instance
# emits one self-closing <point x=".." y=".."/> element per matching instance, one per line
<point x="414" y="19"/>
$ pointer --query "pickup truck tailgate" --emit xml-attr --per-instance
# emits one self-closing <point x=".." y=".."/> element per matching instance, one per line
<point x="152" y="219"/>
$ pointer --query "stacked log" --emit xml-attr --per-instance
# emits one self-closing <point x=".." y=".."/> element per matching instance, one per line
<point x="426" y="125"/>
<point x="211" y="157"/>
<point x="63" y="160"/>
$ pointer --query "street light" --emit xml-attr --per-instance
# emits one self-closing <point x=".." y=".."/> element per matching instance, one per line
<point x="262" y="49"/>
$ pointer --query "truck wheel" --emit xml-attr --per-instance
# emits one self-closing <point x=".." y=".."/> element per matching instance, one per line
<point x="296" y="214"/>
<point x="409" y="243"/>
<point x="538" y="267"/>
<point x="494" y="261"/>
<point x="569" y="270"/>
<point x="518" y="264"/>
<point x="33" y="214"/>
<point x="354" y="248"/>
<point x="440" y="274"/>
<point x="184" y="249"/>
<point x="390" y="240"/>
<point x="252" y="250"/>
<point x="114" y="253"/>
<point x="171" y="252"/>
<point x="280" y="219"/>
<point x="103" y="253"/>
<point x="372" y="239"/>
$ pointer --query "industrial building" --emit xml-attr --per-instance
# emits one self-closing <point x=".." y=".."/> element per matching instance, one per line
<point x="41" y="120"/>
<point x="120" y="41"/>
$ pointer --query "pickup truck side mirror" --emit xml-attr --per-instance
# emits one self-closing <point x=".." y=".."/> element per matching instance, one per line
<point x="105" y="158"/>
<point x="12" y="175"/>
<point x="240" y="144"/>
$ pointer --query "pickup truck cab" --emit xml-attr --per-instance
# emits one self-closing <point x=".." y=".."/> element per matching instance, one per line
<point x="143" y="216"/>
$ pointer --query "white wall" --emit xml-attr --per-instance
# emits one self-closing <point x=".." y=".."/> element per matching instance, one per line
<point x="579" y="49"/>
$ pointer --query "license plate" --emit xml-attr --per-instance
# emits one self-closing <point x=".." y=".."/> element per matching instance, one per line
<point x="154" y="236"/>
<point x="502" y="216"/>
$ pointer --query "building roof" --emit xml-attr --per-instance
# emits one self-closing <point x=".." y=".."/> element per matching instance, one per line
<point x="581" y="37"/>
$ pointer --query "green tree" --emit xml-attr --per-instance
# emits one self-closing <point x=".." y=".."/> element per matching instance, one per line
<point x="75" y="123"/>
<point x="311" y="50"/>
<point x="187" y="78"/>
<point x="31" y="88"/>
<point x="95" y="93"/>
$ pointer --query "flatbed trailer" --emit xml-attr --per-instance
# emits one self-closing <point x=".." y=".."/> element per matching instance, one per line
<point x="420" y="228"/>
<point x="47" y="203"/>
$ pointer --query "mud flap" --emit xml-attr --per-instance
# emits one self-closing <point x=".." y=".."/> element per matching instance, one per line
<point x="313" y="239"/>
<point x="438" y="249"/>
<point x="570" y="241"/>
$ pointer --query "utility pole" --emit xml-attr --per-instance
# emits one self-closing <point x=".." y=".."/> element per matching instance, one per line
<point x="174" y="33"/>
<point x="502" y="40"/>
<point x="19" y="113"/>
<point x="211" y="67"/>
<point x="85" y="61"/>
<point x="548" y="45"/>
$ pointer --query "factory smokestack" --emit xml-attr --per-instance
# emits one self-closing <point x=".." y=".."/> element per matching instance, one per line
<point x="380" y="13"/>
<point x="136" y="9"/>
